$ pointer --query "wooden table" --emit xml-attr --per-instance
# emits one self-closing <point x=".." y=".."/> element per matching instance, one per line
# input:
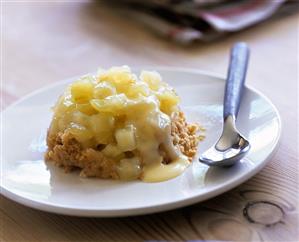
<point x="47" y="42"/>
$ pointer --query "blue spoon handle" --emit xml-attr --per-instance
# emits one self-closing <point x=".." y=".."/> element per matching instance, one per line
<point x="235" y="79"/>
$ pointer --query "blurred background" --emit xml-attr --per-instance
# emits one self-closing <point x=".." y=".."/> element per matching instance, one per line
<point x="44" y="42"/>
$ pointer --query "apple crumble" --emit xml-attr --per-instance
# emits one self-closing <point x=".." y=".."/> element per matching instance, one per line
<point x="115" y="125"/>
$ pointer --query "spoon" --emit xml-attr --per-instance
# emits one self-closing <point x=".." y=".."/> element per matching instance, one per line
<point x="232" y="146"/>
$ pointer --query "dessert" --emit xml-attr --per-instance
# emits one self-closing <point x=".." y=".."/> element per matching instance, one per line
<point x="115" y="125"/>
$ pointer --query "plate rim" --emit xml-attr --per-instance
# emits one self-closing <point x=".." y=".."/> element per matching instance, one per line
<point x="141" y="210"/>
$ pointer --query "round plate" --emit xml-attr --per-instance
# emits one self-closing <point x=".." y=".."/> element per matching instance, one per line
<point x="28" y="180"/>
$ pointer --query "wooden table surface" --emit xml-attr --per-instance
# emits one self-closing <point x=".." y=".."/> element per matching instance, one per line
<point x="46" y="42"/>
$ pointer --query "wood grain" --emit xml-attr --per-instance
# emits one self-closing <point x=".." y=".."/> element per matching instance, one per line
<point x="49" y="41"/>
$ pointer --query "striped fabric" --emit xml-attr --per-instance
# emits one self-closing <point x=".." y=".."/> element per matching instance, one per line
<point x="185" y="21"/>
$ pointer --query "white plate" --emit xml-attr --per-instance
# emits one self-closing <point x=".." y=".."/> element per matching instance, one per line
<point x="27" y="179"/>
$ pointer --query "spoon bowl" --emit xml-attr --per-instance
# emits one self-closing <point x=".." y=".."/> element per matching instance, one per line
<point x="231" y="147"/>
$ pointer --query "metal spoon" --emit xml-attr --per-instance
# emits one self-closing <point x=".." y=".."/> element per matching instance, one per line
<point x="231" y="147"/>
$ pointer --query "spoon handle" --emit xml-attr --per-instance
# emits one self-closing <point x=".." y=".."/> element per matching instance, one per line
<point x="235" y="79"/>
